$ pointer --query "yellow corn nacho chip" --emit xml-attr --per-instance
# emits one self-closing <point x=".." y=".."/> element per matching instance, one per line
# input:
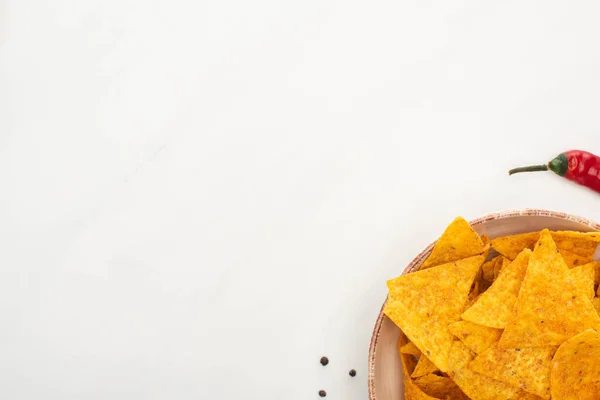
<point x="550" y="308"/>
<point x="487" y="269"/>
<point x="576" y="368"/>
<point x="501" y="296"/>
<point x="458" y="241"/>
<point x="411" y="390"/>
<point x="478" y="338"/>
<point x="527" y="368"/>
<point x="574" y="260"/>
<point x="501" y="263"/>
<point x="473" y="384"/>
<point x="583" y="278"/>
<point x="425" y="302"/>
<point x="424" y="367"/>
<point x="409" y="348"/>
<point x="511" y="246"/>
<point x="596" y="304"/>
<point x="440" y="387"/>
<point x="579" y="243"/>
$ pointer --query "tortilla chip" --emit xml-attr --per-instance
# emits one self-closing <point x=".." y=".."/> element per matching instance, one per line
<point x="574" y="260"/>
<point x="424" y="367"/>
<point x="440" y="387"/>
<point x="597" y="274"/>
<point x="425" y="302"/>
<point x="409" y="348"/>
<point x="596" y="304"/>
<point x="500" y="265"/>
<point x="578" y="243"/>
<point x="495" y="307"/>
<point x="478" y="338"/>
<point x="576" y="368"/>
<point x="470" y="301"/>
<point x="583" y="278"/>
<point x="527" y="368"/>
<point x="411" y="391"/>
<point x="458" y="241"/>
<point x="487" y="270"/>
<point x="550" y="308"/>
<point x="511" y="246"/>
<point x="473" y="384"/>
<point x="408" y="360"/>
<point x="581" y="243"/>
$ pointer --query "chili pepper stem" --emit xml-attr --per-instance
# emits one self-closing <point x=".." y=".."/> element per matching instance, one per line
<point x="531" y="168"/>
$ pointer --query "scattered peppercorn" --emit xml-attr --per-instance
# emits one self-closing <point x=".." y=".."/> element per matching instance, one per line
<point x="352" y="373"/>
<point x="322" y="393"/>
<point x="324" y="361"/>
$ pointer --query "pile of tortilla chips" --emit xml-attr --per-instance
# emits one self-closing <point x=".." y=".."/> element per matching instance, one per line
<point x="513" y="318"/>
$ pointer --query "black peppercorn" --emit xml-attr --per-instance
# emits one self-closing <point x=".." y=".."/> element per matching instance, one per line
<point x="322" y="393"/>
<point x="324" y="361"/>
<point x="352" y="373"/>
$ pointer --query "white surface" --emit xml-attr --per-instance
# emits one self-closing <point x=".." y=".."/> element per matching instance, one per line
<point x="200" y="199"/>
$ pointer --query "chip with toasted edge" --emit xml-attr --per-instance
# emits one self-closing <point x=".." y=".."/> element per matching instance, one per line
<point x="575" y="371"/>
<point x="409" y="348"/>
<point x="574" y="260"/>
<point x="495" y="307"/>
<point x="473" y="384"/>
<point x="579" y="243"/>
<point x="458" y="241"/>
<point x="424" y="367"/>
<point x="441" y="387"/>
<point x="500" y="265"/>
<point x="583" y="278"/>
<point x="527" y="368"/>
<point x="550" y="308"/>
<point x="424" y="303"/>
<point x="476" y="337"/>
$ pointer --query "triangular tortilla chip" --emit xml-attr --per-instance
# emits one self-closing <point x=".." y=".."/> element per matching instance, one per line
<point x="487" y="269"/>
<point x="409" y="348"/>
<point x="527" y="368"/>
<point x="440" y="387"/>
<point x="424" y="367"/>
<point x="596" y="304"/>
<point x="502" y="263"/>
<point x="574" y="260"/>
<point x="511" y="246"/>
<point x="579" y="243"/>
<point x="495" y="307"/>
<point x="425" y="302"/>
<point x="550" y="308"/>
<point x="476" y="337"/>
<point x="458" y="241"/>
<point x="411" y="390"/>
<point x="473" y="384"/>
<point x="583" y="278"/>
<point x="576" y="368"/>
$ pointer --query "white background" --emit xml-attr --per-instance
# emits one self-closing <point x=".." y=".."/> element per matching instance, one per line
<point x="199" y="199"/>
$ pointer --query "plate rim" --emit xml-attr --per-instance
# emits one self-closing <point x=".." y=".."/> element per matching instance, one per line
<point x="527" y="212"/>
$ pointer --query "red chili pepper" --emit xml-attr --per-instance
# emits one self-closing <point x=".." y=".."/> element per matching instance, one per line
<point x="575" y="165"/>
